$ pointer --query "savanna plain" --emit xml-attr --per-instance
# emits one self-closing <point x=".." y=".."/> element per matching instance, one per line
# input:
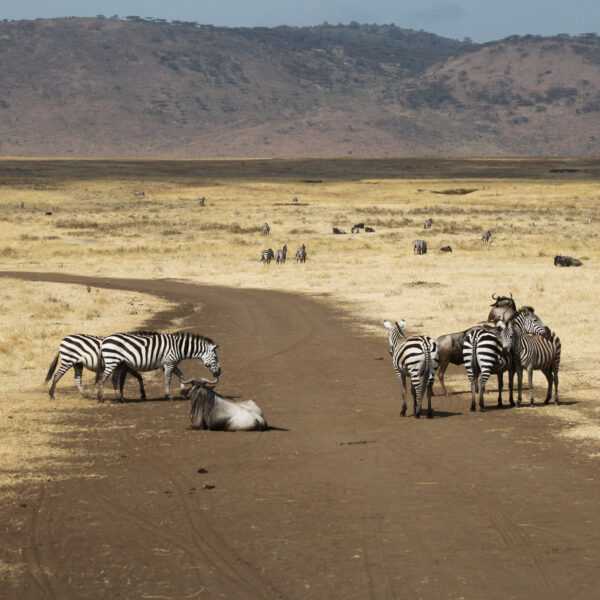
<point x="84" y="218"/>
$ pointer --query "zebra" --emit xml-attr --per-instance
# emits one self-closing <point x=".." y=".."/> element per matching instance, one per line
<point x="266" y="256"/>
<point x="485" y="236"/>
<point x="420" y="247"/>
<point x="427" y="224"/>
<point x="483" y="355"/>
<point x="532" y="353"/>
<point x="80" y="350"/>
<point x="281" y="254"/>
<point x="301" y="254"/>
<point x="416" y="356"/>
<point x="266" y="229"/>
<point x="149" y="350"/>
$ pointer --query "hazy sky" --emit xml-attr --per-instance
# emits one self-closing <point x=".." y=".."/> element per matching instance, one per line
<point x="481" y="20"/>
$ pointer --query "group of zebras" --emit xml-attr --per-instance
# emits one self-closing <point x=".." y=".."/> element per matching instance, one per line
<point x="127" y="353"/>
<point x="266" y="256"/>
<point x="513" y="341"/>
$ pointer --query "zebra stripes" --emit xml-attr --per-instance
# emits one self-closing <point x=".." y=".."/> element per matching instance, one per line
<point x="146" y="351"/>
<point x="78" y="351"/>
<point x="281" y="254"/>
<point x="483" y="355"/>
<point x="301" y="254"/>
<point x="416" y="356"/>
<point x="533" y="353"/>
<point x="266" y="256"/>
<point x="419" y="247"/>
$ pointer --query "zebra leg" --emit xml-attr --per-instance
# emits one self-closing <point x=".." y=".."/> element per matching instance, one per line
<point x="103" y="378"/>
<point x="473" y="381"/>
<point x="519" y="386"/>
<point x="63" y="369"/>
<point x="168" y="373"/>
<point x="180" y="375"/>
<point x="500" y="388"/>
<point x="429" y="393"/>
<point x="511" y="382"/>
<point x="417" y="394"/>
<point x="530" y="382"/>
<point x="124" y="371"/>
<point x="118" y="379"/>
<point x="482" y="381"/>
<point x="556" y="386"/>
<point x="78" y="368"/>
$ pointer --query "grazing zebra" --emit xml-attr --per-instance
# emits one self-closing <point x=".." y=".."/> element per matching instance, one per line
<point x="266" y="256"/>
<point x="281" y="254"/>
<point x="420" y="247"/>
<point x="485" y="236"/>
<point x="78" y="351"/>
<point x="415" y="356"/>
<point x="148" y="350"/>
<point x="301" y="254"/>
<point x="266" y="229"/>
<point x="532" y="353"/>
<point x="427" y="224"/>
<point x="483" y="355"/>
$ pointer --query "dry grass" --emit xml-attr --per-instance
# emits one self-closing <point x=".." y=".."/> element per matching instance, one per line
<point x="99" y="226"/>
<point x="33" y="319"/>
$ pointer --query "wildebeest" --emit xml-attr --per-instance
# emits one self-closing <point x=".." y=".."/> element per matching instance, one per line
<point x="202" y="201"/>
<point x="359" y="226"/>
<point x="266" y="256"/>
<point x="502" y="308"/>
<point x="427" y="224"/>
<point x="48" y="213"/>
<point x="566" y="261"/>
<point x="266" y="229"/>
<point x="369" y="230"/>
<point x="210" y="410"/>
<point x="420" y="247"/>
<point x="338" y="231"/>
<point x="450" y="350"/>
<point x="445" y="249"/>
<point x="485" y="236"/>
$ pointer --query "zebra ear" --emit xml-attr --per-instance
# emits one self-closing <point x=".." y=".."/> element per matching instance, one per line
<point x="402" y="324"/>
<point x="387" y="325"/>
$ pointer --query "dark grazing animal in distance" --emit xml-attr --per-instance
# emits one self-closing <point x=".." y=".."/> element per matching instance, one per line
<point x="445" y="249"/>
<point x="338" y="231"/>
<point x="566" y="261"/>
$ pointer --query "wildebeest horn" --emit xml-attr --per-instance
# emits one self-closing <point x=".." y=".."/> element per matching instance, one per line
<point x="494" y="297"/>
<point x="194" y="381"/>
<point x="511" y="294"/>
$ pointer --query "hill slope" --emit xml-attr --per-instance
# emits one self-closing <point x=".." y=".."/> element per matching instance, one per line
<point x="104" y="87"/>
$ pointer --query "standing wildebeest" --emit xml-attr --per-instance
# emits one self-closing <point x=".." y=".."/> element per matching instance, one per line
<point x="450" y="350"/>
<point x="419" y="247"/>
<point x="266" y="256"/>
<point x="210" y="410"/>
<point x="445" y="249"/>
<point x="427" y="224"/>
<point x="417" y="357"/>
<point x="266" y="229"/>
<point x="485" y="236"/>
<point x="566" y="261"/>
<point x="502" y="308"/>
<point x="281" y="254"/>
<point x="80" y="350"/>
<point x="301" y="254"/>
<point x="532" y="353"/>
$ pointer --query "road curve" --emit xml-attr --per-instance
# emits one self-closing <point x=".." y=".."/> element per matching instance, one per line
<point x="341" y="499"/>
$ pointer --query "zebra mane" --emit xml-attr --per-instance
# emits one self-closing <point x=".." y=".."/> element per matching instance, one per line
<point x="195" y="336"/>
<point x="523" y="310"/>
<point x="144" y="332"/>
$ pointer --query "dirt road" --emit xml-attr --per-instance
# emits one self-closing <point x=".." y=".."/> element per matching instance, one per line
<point x="342" y="499"/>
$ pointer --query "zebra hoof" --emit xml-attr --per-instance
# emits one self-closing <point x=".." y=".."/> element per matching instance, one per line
<point x="430" y="414"/>
<point x="417" y="415"/>
<point x="143" y="398"/>
<point x="472" y="408"/>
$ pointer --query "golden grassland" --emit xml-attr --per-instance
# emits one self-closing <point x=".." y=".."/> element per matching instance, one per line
<point x="98" y="226"/>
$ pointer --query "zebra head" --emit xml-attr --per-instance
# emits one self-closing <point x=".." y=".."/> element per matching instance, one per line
<point x="507" y="334"/>
<point x="527" y="321"/>
<point x="206" y="352"/>
<point x="395" y="333"/>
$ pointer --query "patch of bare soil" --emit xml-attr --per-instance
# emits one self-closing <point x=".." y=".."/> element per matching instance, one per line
<point x="341" y="499"/>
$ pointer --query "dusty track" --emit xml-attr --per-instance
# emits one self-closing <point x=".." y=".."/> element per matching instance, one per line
<point x="344" y="500"/>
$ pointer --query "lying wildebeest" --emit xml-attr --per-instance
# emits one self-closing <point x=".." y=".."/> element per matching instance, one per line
<point x="369" y="230"/>
<point x="210" y="410"/>
<point x="445" y="249"/>
<point x="502" y="308"/>
<point x="566" y="261"/>
<point x="338" y="231"/>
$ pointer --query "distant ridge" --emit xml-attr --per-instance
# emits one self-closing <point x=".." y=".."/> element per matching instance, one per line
<point x="140" y="88"/>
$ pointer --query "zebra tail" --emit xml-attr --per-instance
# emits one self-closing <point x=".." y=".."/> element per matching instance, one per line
<point x="52" y="368"/>
<point x="474" y="363"/>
